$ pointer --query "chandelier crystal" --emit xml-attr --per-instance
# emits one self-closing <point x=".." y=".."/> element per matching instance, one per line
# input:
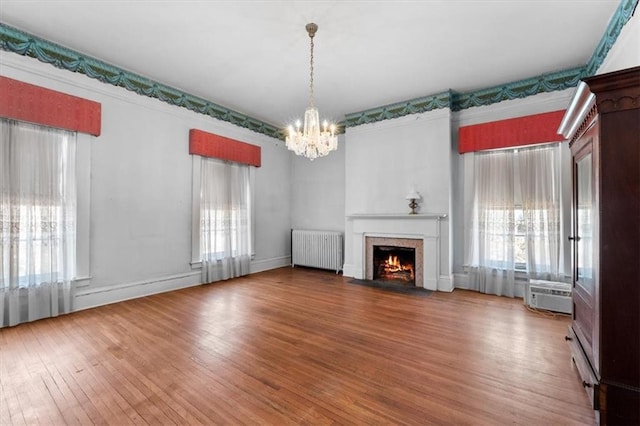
<point x="312" y="140"/>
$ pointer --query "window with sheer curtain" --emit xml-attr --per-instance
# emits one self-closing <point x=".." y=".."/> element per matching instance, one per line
<point x="515" y="218"/>
<point x="225" y="219"/>
<point x="37" y="221"/>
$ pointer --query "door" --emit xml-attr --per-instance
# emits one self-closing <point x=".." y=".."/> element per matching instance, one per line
<point x="584" y="267"/>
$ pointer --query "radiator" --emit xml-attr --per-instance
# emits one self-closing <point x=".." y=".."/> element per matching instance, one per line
<point x="318" y="249"/>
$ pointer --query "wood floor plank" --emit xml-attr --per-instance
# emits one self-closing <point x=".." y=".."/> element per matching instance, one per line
<point x="293" y="346"/>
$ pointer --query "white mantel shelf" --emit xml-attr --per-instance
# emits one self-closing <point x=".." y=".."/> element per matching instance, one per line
<point x="398" y="216"/>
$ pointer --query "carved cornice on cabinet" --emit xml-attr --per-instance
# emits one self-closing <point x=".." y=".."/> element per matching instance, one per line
<point x="620" y="104"/>
<point x="588" y="120"/>
<point x="622" y="94"/>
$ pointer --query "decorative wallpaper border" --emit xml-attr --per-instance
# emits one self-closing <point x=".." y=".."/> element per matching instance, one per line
<point x="16" y="41"/>
<point x="19" y="42"/>
<point x="619" y="19"/>
<point x="400" y="109"/>
<point x="549" y="82"/>
<point x="518" y="89"/>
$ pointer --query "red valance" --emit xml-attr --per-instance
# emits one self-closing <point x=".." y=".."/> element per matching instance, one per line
<point x="528" y="130"/>
<point x="35" y="104"/>
<point x="216" y="146"/>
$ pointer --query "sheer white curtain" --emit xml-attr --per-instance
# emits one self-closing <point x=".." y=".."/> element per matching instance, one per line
<point x="491" y="258"/>
<point x="37" y="221"/>
<point x="225" y="215"/>
<point x="540" y="195"/>
<point x="515" y="218"/>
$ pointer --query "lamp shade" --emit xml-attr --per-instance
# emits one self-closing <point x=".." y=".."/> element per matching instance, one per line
<point x="413" y="195"/>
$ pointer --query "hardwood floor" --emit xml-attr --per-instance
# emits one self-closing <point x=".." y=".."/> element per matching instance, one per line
<point x="293" y="346"/>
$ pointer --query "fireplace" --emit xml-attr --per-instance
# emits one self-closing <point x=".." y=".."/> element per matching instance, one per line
<point x="396" y="260"/>
<point x="394" y="264"/>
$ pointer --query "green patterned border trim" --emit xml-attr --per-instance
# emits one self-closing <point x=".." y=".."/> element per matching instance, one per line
<point x="22" y="43"/>
<point x="623" y="13"/>
<point x="16" y="41"/>
<point x="400" y="109"/>
<point x="458" y="101"/>
<point x="550" y="82"/>
<point x="518" y="89"/>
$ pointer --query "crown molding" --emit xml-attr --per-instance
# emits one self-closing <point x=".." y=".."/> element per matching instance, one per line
<point x="19" y="42"/>
<point x="16" y="41"/>
<point x="400" y="109"/>
<point x="549" y="82"/>
<point x="623" y="13"/>
<point x="431" y="115"/>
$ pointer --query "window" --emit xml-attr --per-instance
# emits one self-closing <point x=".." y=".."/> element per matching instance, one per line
<point x="516" y="210"/>
<point x="500" y="235"/>
<point x="223" y="219"/>
<point x="37" y="221"/>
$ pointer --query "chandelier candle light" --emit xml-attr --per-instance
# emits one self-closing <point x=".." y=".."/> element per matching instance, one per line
<point x="312" y="141"/>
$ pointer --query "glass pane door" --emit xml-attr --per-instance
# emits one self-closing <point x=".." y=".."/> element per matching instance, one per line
<point x="584" y="224"/>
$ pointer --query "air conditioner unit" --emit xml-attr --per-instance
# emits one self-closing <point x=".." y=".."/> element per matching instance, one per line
<point x="549" y="295"/>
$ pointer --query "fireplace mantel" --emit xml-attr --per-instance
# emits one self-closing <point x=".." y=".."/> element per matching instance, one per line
<point x="397" y="216"/>
<point x="424" y="226"/>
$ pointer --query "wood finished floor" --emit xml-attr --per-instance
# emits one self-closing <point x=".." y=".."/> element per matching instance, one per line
<point x="293" y="346"/>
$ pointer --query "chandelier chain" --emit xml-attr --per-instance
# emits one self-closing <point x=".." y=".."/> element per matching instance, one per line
<point x="311" y="100"/>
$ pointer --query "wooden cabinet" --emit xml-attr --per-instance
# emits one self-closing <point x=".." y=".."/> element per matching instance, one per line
<point x="603" y="126"/>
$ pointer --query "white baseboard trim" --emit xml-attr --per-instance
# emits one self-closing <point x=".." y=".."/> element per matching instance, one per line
<point x="461" y="281"/>
<point x="431" y="284"/>
<point x="445" y="283"/>
<point x="352" y="271"/>
<point x="87" y="297"/>
<point x="268" y="264"/>
<point x="93" y="297"/>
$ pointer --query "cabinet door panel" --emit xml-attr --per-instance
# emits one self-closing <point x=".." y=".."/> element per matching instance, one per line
<point x="584" y="307"/>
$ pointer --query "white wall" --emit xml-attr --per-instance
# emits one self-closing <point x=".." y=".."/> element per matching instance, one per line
<point x="318" y="191"/>
<point x="385" y="160"/>
<point x="140" y="189"/>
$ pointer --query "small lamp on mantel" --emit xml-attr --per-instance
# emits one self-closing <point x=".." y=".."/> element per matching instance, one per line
<point x="413" y="197"/>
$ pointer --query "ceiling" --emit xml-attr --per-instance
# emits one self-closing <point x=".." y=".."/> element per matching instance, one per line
<point x="253" y="56"/>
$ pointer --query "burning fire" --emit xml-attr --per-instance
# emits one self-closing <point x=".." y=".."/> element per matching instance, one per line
<point x="392" y="264"/>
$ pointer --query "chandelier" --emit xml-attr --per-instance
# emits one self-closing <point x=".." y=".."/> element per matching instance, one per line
<point x="312" y="140"/>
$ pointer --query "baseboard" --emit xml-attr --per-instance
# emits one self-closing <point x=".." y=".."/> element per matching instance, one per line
<point x="445" y="283"/>
<point x="268" y="264"/>
<point x="352" y="271"/>
<point x="461" y="281"/>
<point x="93" y="297"/>
<point x="431" y="284"/>
<point x="87" y="297"/>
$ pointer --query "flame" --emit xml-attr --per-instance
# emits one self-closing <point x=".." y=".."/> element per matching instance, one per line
<point x="393" y="264"/>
